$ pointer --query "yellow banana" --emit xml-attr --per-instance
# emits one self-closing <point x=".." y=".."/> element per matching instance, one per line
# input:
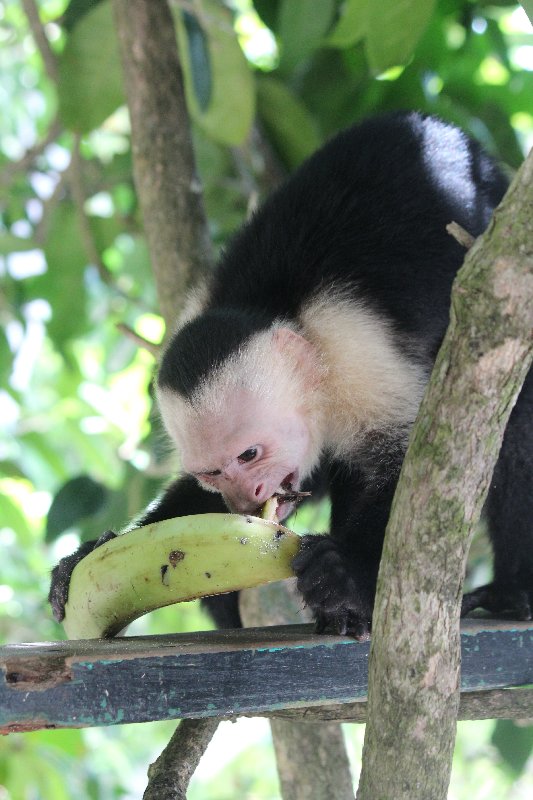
<point x="171" y="561"/>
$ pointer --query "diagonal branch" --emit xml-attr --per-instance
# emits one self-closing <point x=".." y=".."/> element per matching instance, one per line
<point x="415" y="653"/>
<point x="170" y="774"/>
<point x="39" y="35"/>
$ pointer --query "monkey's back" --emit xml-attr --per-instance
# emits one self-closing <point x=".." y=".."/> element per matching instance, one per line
<point x="368" y="210"/>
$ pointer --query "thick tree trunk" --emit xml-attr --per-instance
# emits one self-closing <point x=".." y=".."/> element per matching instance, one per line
<point x="311" y="759"/>
<point x="174" y="220"/>
<point x="169" y="190"/>
<point x="415" y="655"/>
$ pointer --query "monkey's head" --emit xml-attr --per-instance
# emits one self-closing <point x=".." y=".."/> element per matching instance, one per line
<point x="247" y="424"/>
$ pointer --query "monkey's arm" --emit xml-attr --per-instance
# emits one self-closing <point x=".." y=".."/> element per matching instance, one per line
<point x="337" y="573"/>
<point x="182" y="497"/>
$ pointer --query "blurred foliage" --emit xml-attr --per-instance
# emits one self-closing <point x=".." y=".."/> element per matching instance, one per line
<point x="81" y="448"/>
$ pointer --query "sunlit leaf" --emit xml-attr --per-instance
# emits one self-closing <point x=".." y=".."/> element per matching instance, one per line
<point x="12" y="517"/>
<point x="394" y="28"/>
<point x="230" y="111"/>
<point x="77" y="499"/>
<point x="291" y="127"/>
<point x="90" y="80"/>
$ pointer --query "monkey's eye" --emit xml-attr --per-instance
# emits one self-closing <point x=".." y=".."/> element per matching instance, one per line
<point x="248" y="455"/>
<point x="213" y="473"/>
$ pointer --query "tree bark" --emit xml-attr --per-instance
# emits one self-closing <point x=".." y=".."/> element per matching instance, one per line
<point x="171" y="200"/>
<point x="170" y="197"/>
<point x="415" y="655"/>
<point x="170" y="774"/>
<point x="168" y="187"/>
<point x="514" y="703"/>
<point x="311" y="759"/>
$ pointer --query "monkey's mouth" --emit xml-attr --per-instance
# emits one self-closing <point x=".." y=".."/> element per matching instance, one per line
<point x="288" y="496"/>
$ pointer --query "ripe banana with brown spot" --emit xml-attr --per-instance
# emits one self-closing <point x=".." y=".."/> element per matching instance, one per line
<point x="172" y="561"/>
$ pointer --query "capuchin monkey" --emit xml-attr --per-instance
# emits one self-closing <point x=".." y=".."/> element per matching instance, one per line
<point x="302" y="363"/>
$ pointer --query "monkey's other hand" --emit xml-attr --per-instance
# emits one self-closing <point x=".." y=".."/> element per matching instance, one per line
<point x="340" y="597"/>
<point x="58" y="594"/>
<point x="511" y="601"/>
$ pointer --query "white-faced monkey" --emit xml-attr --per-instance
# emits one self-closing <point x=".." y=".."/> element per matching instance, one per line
<point x="302" y="363"/>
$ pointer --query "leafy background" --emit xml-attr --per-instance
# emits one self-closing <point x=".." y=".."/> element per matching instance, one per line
<point x="81" y="448"/>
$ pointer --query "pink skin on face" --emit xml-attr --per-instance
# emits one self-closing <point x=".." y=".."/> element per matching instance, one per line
<point x="250" y="452"/>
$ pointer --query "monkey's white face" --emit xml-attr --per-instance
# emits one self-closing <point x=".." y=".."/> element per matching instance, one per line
<point x="251" y="428"/>
<point x="247" y="452"/>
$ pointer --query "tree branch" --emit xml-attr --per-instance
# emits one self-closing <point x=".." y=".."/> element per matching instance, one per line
<point x="171" y="200"/>
<point x="170" y="774"/>
<point x="39" y="36"/>
<point x="460" y="235"/>
<point x="311" y="759"/>
<point x="26" y="160"/>
<point x="513" y="703"/>
<point x="77" y="188"/>
<point x="415" y="654"/>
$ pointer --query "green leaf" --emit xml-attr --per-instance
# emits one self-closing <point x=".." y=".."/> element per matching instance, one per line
<point x="6" y="359"/>
<point x="62" y="284"/>
<point x="231" y="108"/>
<point x="303" y="24"/>
<point x="12" y="517"/>
<point x="268" y="12"/>
<point x="77" y="499"/>
<point x="527" y="5"/>
<point x="9" y="243"/>
<point x="394" y="28"/>
<point x="90" y="79"/>
<point x="351" y="27"/>
<point x="200" y="63"/>
<point x="75" y="10"/>
<point x="289" y="124"/>
<point x="514" y="744"/>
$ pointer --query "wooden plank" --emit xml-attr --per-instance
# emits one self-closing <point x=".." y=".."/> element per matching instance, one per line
<point x="219" y="673"/>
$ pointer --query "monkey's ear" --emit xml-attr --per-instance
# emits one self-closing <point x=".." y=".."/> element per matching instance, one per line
<point x="303" y="354"/>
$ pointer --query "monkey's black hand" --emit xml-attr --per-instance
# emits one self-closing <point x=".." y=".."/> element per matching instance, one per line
<point x="58" y="594"/>
<point x="513" y="601"/>
<point x="340" y="596"/>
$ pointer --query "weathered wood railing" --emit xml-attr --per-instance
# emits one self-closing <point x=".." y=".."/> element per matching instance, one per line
<point x="247" y="672"/>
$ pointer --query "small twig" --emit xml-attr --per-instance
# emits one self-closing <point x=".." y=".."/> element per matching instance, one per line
<point x="169" y="775"/>
<point x="27" y="159"/>
<point x="460" y="235"/>
<point x="75" y="178"/>
<point x="292" y="497"/>
<point x="273" y="173"/>
<point x="139" y="340"/>
<point x="43" y="45"/>
<point x="248" y="184"/>
<point x="49" y="206"/>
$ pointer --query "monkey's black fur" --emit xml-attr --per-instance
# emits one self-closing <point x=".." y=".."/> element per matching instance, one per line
<point x="369" y="209"/>
<point x="367" y="213"/>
